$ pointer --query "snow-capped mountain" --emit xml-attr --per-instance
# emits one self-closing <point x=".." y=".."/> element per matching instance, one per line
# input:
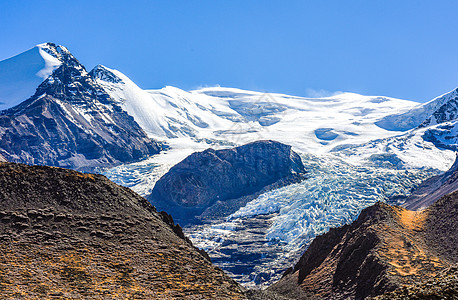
<point x="71" y="121"/>
<point x="357" y="149"/>
<point x="240" y="116"/>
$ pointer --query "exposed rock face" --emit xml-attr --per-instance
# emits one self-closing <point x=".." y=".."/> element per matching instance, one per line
<point x="212" y="177"/>
<point x="72" y="122"/>
<point x="2" y="159"/>
<point x="385" y="248"/>
<point x="71" y="235"/>
<point x="433" y="189"/>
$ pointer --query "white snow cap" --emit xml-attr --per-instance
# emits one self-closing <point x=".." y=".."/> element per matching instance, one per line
<point x="20" y="75"/>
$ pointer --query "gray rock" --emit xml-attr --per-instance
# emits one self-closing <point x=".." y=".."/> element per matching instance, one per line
<point x="432" y="189"/>
<point x="214" y="176"/>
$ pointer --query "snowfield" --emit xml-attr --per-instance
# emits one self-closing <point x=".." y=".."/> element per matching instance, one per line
<point x="20" y="75"/>
<point x="232" y="116"/>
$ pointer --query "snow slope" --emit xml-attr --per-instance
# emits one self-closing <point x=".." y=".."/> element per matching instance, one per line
<point x="417" y="115"/>
<point x="20" y="75"/>
<point x="229" y="116"/>
<point x="432" y="147"/>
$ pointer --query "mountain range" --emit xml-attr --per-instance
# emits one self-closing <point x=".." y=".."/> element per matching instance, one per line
<point x="84" y="104"/>
<point x="323" y="160"/>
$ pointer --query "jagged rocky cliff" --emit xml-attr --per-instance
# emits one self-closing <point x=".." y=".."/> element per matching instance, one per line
<point x="72" y="235"/>
<point x="205" y="182"/>
<point x="71" y="122"/>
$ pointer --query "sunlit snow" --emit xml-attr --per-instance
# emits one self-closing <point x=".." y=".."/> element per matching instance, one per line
<point x="20" y="75"/>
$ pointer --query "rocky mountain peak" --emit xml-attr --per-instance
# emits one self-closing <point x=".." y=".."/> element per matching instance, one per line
<point x="71" y="82"/>
<point x="71" y="121"/>
<point x="103" y="73"/>
<point x="448" y="111"/>
<point x="59" y="52"/>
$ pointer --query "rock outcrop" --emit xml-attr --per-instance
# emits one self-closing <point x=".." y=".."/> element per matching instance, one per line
<point x="71" y="122"/>
<point x="213" y="177"/>
<point x="2" y="159"/>
<point x="385" y="248"/>
<point x="443" y="286"/>
<point x="72" y="235"/>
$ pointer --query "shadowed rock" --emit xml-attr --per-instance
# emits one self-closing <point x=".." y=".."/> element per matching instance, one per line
<point x="213" y="177"/>
<point x="433" y="188"/>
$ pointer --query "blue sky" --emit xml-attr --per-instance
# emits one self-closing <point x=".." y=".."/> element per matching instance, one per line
<point x="404" y="49"/>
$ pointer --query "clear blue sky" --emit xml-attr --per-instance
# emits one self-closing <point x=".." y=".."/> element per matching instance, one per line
<point x="404" y="49"/>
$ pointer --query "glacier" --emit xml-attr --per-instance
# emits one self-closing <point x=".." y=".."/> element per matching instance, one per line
<point x="353" y="159"/>
<point x="334" y="195"/>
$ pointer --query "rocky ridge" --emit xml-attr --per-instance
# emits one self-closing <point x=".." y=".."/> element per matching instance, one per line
<point x="432" y="189"/>
<point x="73" y="235"/>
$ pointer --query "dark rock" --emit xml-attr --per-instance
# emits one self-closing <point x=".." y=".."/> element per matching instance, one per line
<point x="443" y="286"/>
<point x="447" y="112"/>
<point x="175" y="227"/>
<point x="205" y="178"/>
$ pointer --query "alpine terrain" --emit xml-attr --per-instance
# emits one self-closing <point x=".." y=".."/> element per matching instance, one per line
<point x="387" y="248"/>
<point x="69" y="121"/>
<point x="252" y="177"/>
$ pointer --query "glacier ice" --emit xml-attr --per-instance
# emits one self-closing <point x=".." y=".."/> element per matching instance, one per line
<point x="334" y="195"/>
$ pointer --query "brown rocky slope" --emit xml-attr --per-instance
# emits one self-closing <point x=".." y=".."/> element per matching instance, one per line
<point x="386" y="248"/>
<point x="68" y="235"/>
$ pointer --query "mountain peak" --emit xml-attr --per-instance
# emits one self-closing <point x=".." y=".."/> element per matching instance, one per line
<point x="55" y="50"/>
<point x="106" y="74"/>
